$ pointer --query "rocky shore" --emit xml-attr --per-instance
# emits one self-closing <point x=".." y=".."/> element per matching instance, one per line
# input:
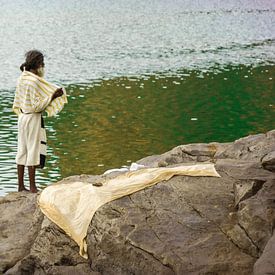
<point x="187" y="225"/>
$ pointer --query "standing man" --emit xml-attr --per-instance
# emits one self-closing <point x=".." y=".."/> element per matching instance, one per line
<point x="33" y="96"/>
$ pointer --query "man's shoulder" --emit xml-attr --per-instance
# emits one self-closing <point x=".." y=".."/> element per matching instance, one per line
<point x="28" y="78"/>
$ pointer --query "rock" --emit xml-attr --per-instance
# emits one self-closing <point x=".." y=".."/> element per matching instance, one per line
<point x="244" y="190"/>
<point x="162" y="163"/>
<point x="249" y="148"/>
<point x="20" y="224"/>
<point x="256" y="215"/>
<point x="173" y="228"/>
<point x="191" y="153"/>
<point x="243" y="170"/>
<point x="201" y="149"/>
<point x="266" y="263"/>
<point x="52" y="252"/>
<point x="186" y="225"/>
<point x="237" y="234"/>
<point x="268" y="161"/>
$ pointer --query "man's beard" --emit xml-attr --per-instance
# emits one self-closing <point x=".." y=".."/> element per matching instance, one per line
<point x="41" y="72"/>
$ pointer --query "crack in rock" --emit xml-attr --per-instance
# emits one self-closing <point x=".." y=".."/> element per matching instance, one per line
<point x="222" y="231"/>
<point x="251" y="240"/>
<point x="167" y="265"/>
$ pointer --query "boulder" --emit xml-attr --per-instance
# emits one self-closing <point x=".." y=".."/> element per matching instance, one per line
<point x="186" y="225"/>
<point x="20" y="224"/>
<point x="174" y="228"/>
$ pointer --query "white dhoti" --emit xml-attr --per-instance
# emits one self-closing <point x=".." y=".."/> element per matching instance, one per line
<point x="31" y="149"/>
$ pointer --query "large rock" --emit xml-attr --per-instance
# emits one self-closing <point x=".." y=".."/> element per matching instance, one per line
<point x="177" y="227"/>
<point x="187" y="225"/>
<point x="20" y="224"/>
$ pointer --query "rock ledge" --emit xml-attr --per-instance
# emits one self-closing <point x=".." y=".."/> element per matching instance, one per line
<point x="187" y="225"/>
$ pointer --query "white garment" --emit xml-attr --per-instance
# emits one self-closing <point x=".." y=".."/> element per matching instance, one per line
<point x="29" y="139"/>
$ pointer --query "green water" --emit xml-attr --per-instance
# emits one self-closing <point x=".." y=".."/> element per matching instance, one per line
<point x="123" y="120"/>
<point x="113" y="122"/>
<point x="142" y="77"/>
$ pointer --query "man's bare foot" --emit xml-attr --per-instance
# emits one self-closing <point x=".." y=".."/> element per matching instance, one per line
<point x="20" y="189"/>
<point x="33" y="190"/>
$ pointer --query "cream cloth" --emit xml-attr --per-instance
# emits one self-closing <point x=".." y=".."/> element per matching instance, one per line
<point x="33" y="95"/>
<point x="71" y="206"/>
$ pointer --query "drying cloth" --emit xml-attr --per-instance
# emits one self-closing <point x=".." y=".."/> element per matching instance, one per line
<point x="71" y="206"/>
<point x="33" y="95"/>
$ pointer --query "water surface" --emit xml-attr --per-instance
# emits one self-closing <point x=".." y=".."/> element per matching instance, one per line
<point x="142" y="77"/>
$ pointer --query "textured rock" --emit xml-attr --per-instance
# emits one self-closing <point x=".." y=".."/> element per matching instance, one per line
<point x="187" y="225"/>
<point x="249" y="148"/>
<point x="268" y="161"/>
<point x="256" y="215"/>
<point x="244" y="190"/>
<point x="266" y="264"/>
<point x="172" y="228"/>
<point x="20" y="224"/>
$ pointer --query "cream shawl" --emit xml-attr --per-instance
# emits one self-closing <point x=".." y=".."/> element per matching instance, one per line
<point x="33" y="95"/>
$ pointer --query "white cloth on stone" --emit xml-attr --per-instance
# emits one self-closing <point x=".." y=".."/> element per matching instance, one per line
<point x="72" y="205"/>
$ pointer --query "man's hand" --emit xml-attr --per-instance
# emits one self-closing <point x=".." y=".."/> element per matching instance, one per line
<point x="57" y="93"/>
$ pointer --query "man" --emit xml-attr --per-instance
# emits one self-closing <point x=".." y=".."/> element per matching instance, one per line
<point x="33" y="96"/>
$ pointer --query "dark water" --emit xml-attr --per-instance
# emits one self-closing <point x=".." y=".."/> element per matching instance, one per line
<point x="142" y="77"/>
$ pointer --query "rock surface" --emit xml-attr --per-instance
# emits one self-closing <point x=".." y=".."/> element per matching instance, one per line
<point x="187" y="225"/>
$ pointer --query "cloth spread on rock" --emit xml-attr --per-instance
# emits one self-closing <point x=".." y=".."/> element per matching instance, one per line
<point x="72" y="205"/>
<point x="33" y="95"/>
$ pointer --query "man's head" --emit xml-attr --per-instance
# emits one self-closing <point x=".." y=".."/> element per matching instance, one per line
<point x="34" y="62"/>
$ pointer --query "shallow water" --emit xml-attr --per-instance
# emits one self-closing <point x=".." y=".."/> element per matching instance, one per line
<point x="142" y="77"/>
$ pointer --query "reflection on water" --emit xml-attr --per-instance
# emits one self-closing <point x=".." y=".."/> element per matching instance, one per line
<point x="112" y="122"/>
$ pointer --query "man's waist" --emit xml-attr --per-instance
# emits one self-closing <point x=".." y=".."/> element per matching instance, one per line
<point x="28" y="113"/>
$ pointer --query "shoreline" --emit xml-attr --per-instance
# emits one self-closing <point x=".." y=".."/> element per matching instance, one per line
<point x="219" y="224"/>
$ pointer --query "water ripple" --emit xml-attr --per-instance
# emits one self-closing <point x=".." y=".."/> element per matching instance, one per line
<point x="142" y="77"/>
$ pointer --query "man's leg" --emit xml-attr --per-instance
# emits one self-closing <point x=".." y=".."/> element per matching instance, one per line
<point x="31" y="170"/>
<point x="20" y="172"/>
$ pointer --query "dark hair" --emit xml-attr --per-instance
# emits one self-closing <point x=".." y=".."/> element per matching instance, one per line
<point x="34" y="59"/>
